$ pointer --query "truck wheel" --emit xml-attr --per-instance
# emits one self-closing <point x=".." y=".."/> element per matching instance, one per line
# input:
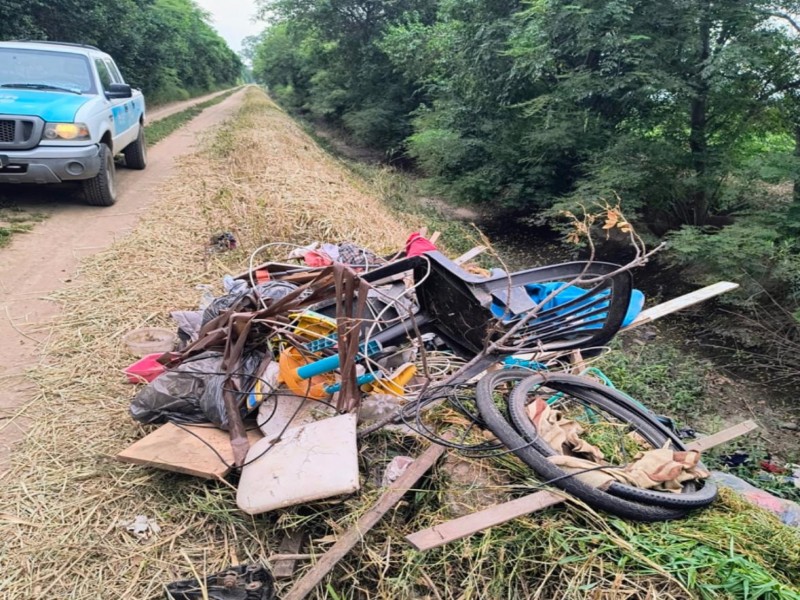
<point x="136" y="152"/>
<point x="101" y="190"/>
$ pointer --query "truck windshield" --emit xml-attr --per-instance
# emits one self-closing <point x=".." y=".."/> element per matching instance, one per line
<point x="45" y="70"/>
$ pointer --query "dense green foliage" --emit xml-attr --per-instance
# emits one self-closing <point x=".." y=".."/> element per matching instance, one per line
<point x="687" y="110"/>
<point x="531" y="103"/>
<point x="165" y="47"/>
<point x="325" y="57"/>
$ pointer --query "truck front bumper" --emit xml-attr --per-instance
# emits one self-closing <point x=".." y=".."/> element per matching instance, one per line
<point x="49" y="164"/>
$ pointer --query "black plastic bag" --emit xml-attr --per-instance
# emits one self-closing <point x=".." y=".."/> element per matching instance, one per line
<point x="192" y="392"/>
<point x="248" y="298"/>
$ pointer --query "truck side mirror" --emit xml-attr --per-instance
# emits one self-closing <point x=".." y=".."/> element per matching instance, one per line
<point x="119" y="91"/>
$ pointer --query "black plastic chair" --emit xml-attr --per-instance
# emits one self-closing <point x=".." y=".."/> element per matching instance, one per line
<point x="457" y="306"/>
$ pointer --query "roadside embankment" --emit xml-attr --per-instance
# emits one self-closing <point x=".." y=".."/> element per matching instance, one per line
<point x="261" y="178"/>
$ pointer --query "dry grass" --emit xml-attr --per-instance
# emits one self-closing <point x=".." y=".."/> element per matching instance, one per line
<point x="261" y="177"/>
<point x="278" y="185"/>
<point x="65" y="494"/>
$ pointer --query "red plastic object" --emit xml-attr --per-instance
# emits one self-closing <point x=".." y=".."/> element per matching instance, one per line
<point x="417" y="245"/>
<point x="145" y="369"/>
<point x="316" y="258"/>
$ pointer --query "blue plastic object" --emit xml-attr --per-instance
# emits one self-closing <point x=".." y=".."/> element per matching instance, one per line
<point x="331" y="363"/>
<point x="329" y="341"/>
<point x="512" y="362"/>
<point x="363" y="380"/>
<point x="539" y="291"/>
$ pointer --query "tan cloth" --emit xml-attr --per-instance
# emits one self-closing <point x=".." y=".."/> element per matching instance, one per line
<point x="662" y="469"/>
<point x="562" y="435"/>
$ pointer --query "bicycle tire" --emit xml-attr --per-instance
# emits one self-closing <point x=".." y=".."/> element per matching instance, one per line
<point x="620" y="406"/>
<point x="593" y="496"/>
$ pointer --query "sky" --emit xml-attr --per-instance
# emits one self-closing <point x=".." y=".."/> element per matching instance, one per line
<point x="233" y="19"/>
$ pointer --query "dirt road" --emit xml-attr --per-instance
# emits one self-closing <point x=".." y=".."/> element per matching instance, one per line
<point x="164" y="111"/>
<point x="38" y="263"/>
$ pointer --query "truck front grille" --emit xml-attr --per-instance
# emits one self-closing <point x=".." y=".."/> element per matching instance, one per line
<point x="19" y="133"/>
<point x="7" y="129"/>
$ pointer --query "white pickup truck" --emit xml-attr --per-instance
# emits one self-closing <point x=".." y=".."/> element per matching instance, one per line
<point x="65" y="112"/>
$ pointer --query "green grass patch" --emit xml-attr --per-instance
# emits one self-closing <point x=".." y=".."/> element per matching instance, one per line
<point x="158" y="130"/>
<point x="16" y="220"/>
<point x="660" y="375"/>
<point x="403" y="195"/>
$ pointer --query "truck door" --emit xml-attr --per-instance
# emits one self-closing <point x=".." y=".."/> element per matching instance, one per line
<point x="133" y="107"/>
<point x="119" y="116"/>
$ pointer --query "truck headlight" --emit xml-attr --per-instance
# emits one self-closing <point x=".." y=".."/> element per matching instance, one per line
<point x="66" y="131"/>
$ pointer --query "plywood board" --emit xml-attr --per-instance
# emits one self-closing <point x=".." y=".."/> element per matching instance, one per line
<point x="174" y="448"/>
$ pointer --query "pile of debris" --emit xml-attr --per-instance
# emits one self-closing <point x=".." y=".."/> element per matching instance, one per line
<point x="279" y="378"/>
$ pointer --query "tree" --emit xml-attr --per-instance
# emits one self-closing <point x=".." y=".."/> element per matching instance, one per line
<point x="540" y="103"/>
<point x="339" y="70"/>
<point x="679" y="84"/>
<point x="166" y="47"/>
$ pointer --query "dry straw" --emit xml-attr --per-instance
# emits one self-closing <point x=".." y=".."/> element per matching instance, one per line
<point x="62" y="503"/>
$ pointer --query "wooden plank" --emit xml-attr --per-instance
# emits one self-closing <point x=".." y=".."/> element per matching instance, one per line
<point x="462" y="527"/>
<point x="284" y="568"/>
<point x="449" y="531"/>
<point x="435" y="237"/>
<point x="681" y="302"/>
<point x="352" y="536"/>
<point x="173" y="449"/>
<point x="726" y="435"/>
<point x="470" y="254"/>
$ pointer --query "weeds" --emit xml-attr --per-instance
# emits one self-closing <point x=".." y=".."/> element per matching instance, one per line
<point x="660" y="375"/>
<point x="402" y="195"/>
